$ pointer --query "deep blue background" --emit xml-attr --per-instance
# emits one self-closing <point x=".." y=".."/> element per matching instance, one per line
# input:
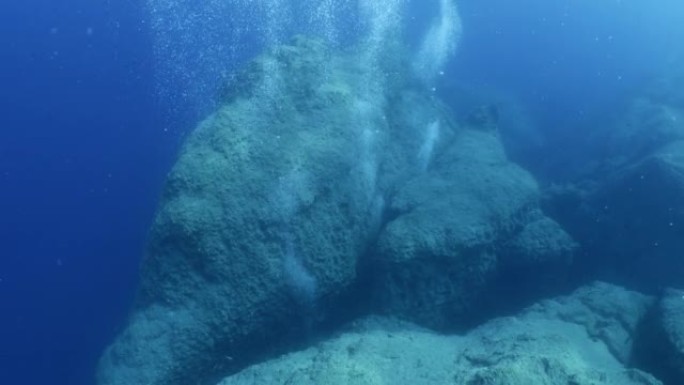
<point x="569" y="65"/>
<point x="83" y="153"/>
<point x="84" y="146"/>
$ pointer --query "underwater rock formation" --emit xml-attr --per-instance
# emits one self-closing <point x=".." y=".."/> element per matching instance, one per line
<point x="628" y="213"/>
<point x="660" y="346"/>
<point x="455" y="227"/>
<point x="261" y="223"/>
<point x="318" y="177"/>
<point x="648" y="126"/>
<point x="672" y="324"/>
<point x="581" y="339"/>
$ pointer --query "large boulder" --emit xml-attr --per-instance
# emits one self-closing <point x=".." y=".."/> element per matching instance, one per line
<point x="571" y="340"/>
<point x="454" y="229"/>
<point x="660" y="345"/>
<point x="259" y="227"/>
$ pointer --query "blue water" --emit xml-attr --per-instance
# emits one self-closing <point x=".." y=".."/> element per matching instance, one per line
<point x="85" y="142"/>
<point x="83" y="153"/>
<point x="569" y="64"/>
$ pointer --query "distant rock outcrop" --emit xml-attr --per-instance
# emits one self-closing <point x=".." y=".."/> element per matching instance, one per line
<point x="626" y="208"/>
<point x="628" y="213"/>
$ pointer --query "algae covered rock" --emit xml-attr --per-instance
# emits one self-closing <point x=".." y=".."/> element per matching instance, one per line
<point x="606" y="312"/>
<point x="538" y="346"/>
<point x="259" y="228"/>
<point x="542" y="242"/>
<point x="442" y="247"/>
<point x="375" y="352"/>
<point x="323" y="189"/>
<point x="661" y="344"/>
<point x="672" y="323"/>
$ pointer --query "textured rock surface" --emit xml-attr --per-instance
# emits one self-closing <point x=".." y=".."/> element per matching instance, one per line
<point x="628" y="211"/>
<point x="660" y="345"/>
<point x="608" y="313"/>
<point x="453" y="226"/>
<point x="551" y="343"/>
<point x="317" y="170"/>
<point x="260" y="225"/>
<point x="672" y="321"/>
<point x="541" y="242"/>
